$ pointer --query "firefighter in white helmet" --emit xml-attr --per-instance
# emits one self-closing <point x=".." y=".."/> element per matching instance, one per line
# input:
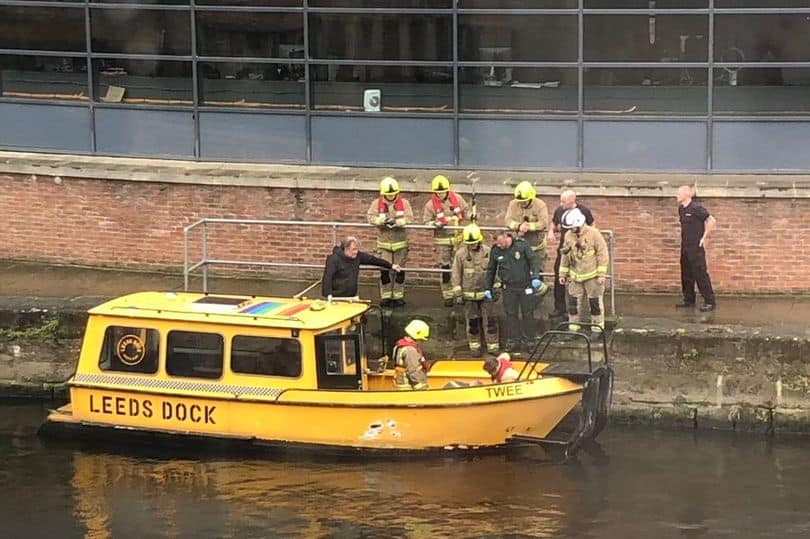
<point x="583" y="268"/>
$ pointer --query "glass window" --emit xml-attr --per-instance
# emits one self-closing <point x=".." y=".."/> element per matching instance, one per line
<point x="43" y="77"/>
<point x="518" y="4"/>
<point x="154" y="82"/>
<point x="510" y="90"/>
<point x="236" y="84"/>
<point x="339" y="353"/>
<point x="186" y="2"/>
<point x="137" y="31"/>
<point x="501" y="38"/>
<point x="646" y="4"/>
<point x="381" y="37"/>
<point x="762" y="38"/>
<point x="271" y="356"/>
<point x="623" y="91"/>
<point x="642" y="38"/>
<point x="397" y="88"/>
<point x="42" y="28"/>
<point x="258" y="35"/>
<point x="405" y="4"/>
<point x="194" y="354"/>
<point x="760" y="3"/>
<point x="263" y="3"/>
<point x="130" y="349"/>
<point x="771" y="90"/>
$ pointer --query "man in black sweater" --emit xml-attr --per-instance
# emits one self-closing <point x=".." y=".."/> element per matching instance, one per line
<point x="343" y="268"/>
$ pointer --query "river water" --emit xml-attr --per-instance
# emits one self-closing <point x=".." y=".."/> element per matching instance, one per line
<point x="641" y="484"/>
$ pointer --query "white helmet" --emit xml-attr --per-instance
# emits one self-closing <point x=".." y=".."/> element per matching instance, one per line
<point x="573" y="218"/>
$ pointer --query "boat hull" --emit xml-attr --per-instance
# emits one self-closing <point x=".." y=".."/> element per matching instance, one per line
<point x="462" y="418"/>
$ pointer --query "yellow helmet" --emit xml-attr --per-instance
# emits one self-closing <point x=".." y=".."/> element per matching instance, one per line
<point x="417" y="330"/>
<point x="440" y="184"/>
<point x="525" y="191"/>
<point x="472" y="234"/>
<point x="389" y="186"/>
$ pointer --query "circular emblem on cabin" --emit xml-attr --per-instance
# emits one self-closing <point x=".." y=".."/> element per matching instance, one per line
<point x="517" y="255"/>
<point x="130" y="349"/>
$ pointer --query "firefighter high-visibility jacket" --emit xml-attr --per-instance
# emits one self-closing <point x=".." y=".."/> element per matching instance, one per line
<point x="409" y="365"/>
<point x="390" y="219"/>
<point x="470" y="271"/>
<point x="535" y="214"/>
<point x="444" y="211"/>
<point x="584" y="255"/>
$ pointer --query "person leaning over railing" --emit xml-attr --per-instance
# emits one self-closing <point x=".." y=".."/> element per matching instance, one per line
<point x="342" y="268"/>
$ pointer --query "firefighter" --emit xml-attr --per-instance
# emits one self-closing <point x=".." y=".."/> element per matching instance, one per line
<point x="410" y="365"/>
<point x="390" y="212"/>
<point x="527" y="217"/>
<point x="517" y="266"/>
<point x="445" y="208"/>
<point x="468" y="280"/>
<point x="583" y="268"/>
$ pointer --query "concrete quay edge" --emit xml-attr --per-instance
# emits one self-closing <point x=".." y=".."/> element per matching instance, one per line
<point x="604" y="184"/>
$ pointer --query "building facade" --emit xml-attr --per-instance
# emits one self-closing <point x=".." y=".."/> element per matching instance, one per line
<point x="588" y="85"/>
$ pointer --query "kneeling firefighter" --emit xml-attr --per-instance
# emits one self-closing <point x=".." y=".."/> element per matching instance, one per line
<point x="583" y="266"/>
<point x="410" y="365"/>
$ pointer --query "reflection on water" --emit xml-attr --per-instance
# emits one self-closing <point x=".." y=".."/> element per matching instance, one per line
<point x="646" y="483"/>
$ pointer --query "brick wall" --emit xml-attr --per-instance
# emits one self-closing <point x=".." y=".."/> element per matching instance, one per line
<point x="758" y="246"/>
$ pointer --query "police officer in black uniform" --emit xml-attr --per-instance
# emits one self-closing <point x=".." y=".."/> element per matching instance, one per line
<point x="518" y="268"/>
<point x="696" y="225"/>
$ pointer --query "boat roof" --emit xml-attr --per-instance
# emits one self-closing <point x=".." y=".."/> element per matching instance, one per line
<point x="262" y="311"/>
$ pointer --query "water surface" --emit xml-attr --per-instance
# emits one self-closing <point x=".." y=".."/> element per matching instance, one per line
<point x="641" y="484"/>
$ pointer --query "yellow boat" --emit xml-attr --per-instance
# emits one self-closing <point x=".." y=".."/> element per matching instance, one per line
<point x="292" y="372"/>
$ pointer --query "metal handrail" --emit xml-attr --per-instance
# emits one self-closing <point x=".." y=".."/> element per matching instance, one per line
<point x="205" y="262"/>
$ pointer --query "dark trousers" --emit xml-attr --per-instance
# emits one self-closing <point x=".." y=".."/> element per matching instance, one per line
<point x="519" y="310"/>
<point x="559" y="289"/>
<point x="693" y="270"/>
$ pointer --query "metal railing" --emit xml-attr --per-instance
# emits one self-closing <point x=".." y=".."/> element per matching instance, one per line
<point x="202" y="224"/>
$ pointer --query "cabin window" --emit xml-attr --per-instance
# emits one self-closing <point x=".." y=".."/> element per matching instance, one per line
<point x="194" y="354"/>
<point x="130" y="349"/>
<point x="340" y="354"/>
<point x="270" y="356"/>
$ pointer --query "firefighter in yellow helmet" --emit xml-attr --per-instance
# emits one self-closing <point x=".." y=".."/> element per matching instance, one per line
<point x="583" y="268"/>
<point x="445" y="208"/>
<point x="390" y="212"/>
<point x="410" y="365"/>
<point x="469" y="284"/>
<point x="527" y="217"/>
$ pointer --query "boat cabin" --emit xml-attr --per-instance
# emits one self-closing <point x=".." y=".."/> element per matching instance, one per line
<point x="243" y="341"/>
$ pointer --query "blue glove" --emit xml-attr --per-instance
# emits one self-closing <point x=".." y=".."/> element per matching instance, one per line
<point x="488" y="295"/>
<point x="536" y="283"/>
